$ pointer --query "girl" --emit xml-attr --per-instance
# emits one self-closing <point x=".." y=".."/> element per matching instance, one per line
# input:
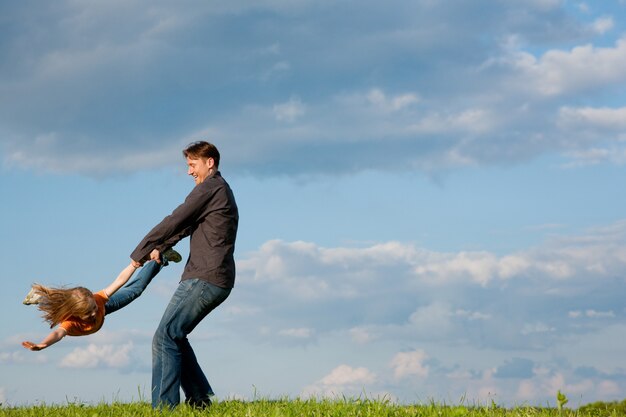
<point x="79" y="312"/>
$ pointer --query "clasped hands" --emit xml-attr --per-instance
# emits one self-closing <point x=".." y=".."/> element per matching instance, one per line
<point x="155" y="255"/>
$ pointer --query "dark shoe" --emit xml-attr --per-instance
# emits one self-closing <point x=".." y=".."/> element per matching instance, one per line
<point x="172" y="256"/>
<point x="203" y="404"/>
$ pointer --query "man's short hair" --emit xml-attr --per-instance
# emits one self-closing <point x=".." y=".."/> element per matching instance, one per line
<point x="202" y="150"/>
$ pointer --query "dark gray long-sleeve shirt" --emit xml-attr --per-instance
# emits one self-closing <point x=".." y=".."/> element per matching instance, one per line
<point x="209" y="215"/>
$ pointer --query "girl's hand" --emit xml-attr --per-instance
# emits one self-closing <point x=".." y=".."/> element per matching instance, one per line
<point x="33" y="346"/>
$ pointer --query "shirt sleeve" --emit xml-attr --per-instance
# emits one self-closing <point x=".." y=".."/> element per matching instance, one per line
<point x="177" y="225"/>
<point x="175" y="239"/>
<point x="68" y="326"/>
<point x="103" y="297"/>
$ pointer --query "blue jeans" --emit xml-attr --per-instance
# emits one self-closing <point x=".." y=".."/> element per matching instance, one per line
<point x="174" y="363"/>
<point x="134" y="288"/>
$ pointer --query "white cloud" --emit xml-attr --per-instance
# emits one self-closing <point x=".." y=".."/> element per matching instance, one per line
<point x="438" y="112"/>
<point x="46" y="152"/>
<point x="360" y="335"/>
<point x="346" y="375"/>
<point x="343" y="380"/>
<point x="526" y="390"/>
<point x="603" y="24"/>
<point x="23" y="357"/>
<point x="482" y="267"/>
<point x="297" y="333"/>
<point x="305" y="270"/>
<point x="241" y="310"/>
<point x="11" y="357"/>
<point x="472" y="315"/>
<point x="608" y="388"/>
<point x="591" y="156"/>
<point x="470" y="121"/>
<point x="397" y="291"/>
<point x="550" y="381"/>
<point x="591" y="314"/>
<point x="583" y="7"/>
<point x="558" y="382"/>
<point x="447" y="378"/>
<point x="479" y="267"/>
<point x="574" y="314"/>
<point x="582" y="68"/>
<point x="95" y="356"/>
<point x="294" y="264"/>
<point x="289" y="111"/>
<point x="606" y="118"/>
<point x="536" y="328"/>
<point x="546" y="5"/>
<point x="476" y="384"/>
<point x="379" y="99"/>
<point x="302" y="268"/>
<point x="407" y="364"/>
<point x="279" y="69"/>
<point x="121" y="336"/>
<point x="562" y="259"/>
<point x="433" y="319"/>
<point x="599" y="314"/>
<point x="484" y="389"/>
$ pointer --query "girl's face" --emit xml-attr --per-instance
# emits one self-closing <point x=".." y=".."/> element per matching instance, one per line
<point x="90" y="315"/>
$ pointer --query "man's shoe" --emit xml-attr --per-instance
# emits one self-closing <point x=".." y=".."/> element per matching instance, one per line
<point x="172" y="256"/>
<point x="32" y="297"/>
<point x="199" y="404"/>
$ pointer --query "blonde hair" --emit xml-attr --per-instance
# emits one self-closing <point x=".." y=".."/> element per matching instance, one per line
<point x="59" y="304"/>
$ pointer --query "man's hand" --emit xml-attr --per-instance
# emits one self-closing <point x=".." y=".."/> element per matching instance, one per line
<point x="155" y="255"/>
<point x="135" y="263"/>
<point x="34" y="346"/>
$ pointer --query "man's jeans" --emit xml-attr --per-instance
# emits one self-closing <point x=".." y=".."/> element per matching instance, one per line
<point x="134" y="288"/>
<point x="174" y="363"/>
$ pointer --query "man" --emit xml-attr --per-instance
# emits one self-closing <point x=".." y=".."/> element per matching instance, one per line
<point x="209" y="215"/>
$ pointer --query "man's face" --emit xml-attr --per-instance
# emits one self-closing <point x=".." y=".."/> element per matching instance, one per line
<point x="199" y="169"/>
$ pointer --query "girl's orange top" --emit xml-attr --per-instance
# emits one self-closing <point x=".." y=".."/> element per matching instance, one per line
<point x="77" y="327"/>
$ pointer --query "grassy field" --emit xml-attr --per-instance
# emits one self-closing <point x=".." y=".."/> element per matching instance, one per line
<point x="315" y="408"/>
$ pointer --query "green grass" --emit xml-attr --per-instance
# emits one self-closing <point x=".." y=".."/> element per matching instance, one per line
<point x="313" y="408"/>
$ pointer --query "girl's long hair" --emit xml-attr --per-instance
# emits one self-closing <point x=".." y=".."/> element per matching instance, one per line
<point x="59" y="304"/>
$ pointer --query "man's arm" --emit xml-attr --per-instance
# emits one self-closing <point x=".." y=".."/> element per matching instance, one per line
<point x="176" y="226"/>
<point x="172" y="241"/>
<point x="154" y="254"/>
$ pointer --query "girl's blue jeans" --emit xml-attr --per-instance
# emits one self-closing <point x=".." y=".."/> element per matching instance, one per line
<point x="134" y="288"/>
<point x="174" y="363"/>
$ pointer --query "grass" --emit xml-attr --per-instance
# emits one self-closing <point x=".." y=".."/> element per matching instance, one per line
<point x="313" y="408"/>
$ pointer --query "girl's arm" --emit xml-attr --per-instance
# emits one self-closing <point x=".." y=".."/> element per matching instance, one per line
<point x="54" y="336"/>
<point x="121" y="279"/>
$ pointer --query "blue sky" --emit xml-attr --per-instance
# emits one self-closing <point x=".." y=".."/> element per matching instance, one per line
<point x="431" y="193"/>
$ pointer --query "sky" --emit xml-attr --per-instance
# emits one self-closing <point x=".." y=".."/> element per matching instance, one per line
<point x="430" y="192"/>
